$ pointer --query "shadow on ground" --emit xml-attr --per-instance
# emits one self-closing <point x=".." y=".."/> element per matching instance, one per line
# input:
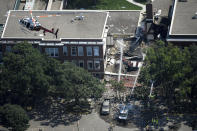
<point x="156" y="116"/>
<point x="56" y="112"/>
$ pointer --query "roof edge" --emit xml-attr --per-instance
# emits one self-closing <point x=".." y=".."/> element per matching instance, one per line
<point x="173" y="15"/>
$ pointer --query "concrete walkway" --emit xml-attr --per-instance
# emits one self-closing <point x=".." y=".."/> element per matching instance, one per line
<point x="142" y="11"/>
<point x="138" y="4"/>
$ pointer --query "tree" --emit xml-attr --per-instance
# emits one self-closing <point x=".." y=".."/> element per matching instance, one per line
<point x="168" y="66"/>
<point x="15" y="117"/>
<point x="58" y="83"/>
<point x="28" y="77"/>
<point x="193" y="75"/>
<point x="118" y="87"/>
<point x="23" y="75"/>
<point x="80" y="83"/>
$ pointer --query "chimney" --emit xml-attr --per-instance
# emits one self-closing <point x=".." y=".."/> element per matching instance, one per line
<point x="149" y="13"/>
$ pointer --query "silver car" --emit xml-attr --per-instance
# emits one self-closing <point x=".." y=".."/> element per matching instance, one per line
<point x="105" y="107"/>
<point x="123" y="113"/>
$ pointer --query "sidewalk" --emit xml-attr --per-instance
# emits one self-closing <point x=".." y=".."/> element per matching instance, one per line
<point x="138" y="4"/>
<point x="142" y="11"/>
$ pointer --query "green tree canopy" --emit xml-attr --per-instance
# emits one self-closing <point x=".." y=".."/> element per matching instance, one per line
<point x="23" y="75"/>
<point x="14" y="116"/>
<point x="28" y="77"/>
<point x="168" y="66"/>
<point x="118" y="87"/>
<point x="81" y="84"/>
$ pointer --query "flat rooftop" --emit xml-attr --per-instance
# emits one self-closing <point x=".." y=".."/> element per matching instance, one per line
<point x="92" y="26"/>
<point x="123" y="22"/>
<point x="182" y="22"/>
<point x="162" y="5"/>
<point x="5" y="6"/>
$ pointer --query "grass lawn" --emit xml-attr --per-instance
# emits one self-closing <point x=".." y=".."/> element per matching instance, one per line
<point x="102" y="5"/>
<point x="116" y="5"/>
<point x="141" y="1"/>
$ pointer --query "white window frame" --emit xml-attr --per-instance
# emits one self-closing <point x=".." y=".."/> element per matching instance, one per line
<point x="81" y="61"/>
<point x="52" y="52"/>
<point x="73" y="47"/>
<point x="89" y="50"/>
<point x="97" y="62"/>
<point x="90" y="61"/>
<point x="65" y="50"/>
<point x="80" y="51"/>
<point x="96" y="50"/>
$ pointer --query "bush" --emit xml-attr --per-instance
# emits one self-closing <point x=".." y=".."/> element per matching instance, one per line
<point x="14" y="116"/>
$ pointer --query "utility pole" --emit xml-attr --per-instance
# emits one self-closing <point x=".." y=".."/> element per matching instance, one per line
<point x="78" y="125"/>
<point x="120" y="67"/>
<point x="121" y="45"/>
<point x="151" y="88"/>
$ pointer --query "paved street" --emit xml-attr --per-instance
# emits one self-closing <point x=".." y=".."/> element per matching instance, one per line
<point x="90" y="122"/>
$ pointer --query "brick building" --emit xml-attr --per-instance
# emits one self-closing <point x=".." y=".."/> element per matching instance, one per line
<point x="81" y="38"/>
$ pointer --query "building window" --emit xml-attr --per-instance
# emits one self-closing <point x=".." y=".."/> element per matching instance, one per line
<point x="0" y="47"/>
<point x="8" y="48"/>
<point x="53" y="52"/>
<point x="47" y="51"/>
<point x="65" y="50"/>
<point x="80" y="50"/>
<point x="81" y="63"/>
<point x="1" y="57"/>
<point x="96" y="51"/>
<point x="89" y="51"/>
<point x="97" y="65"/>
<point x="90" y="65"/>
<point x="56" y="52"/>
<point x="74" y="51"/>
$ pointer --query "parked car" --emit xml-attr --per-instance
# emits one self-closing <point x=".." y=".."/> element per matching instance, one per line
<point x="123" y="113"/>
<point x="105" y="107"/>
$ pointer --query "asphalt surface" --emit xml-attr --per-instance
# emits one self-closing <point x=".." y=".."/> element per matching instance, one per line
<point x="90" y="122"/>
